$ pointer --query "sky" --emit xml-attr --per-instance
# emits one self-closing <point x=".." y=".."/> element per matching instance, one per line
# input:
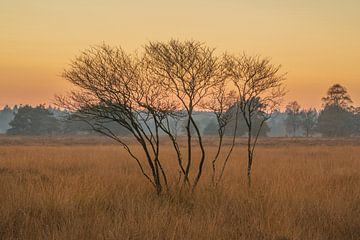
<point x="316" y="42"/>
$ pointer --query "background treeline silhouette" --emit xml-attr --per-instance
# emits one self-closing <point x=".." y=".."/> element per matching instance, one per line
<point x="337" y="118"/>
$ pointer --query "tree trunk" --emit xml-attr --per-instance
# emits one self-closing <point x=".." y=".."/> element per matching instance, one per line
<point x="202" y="159"/>
<point x="188" y="133"/>
<point x="249" y="157"/>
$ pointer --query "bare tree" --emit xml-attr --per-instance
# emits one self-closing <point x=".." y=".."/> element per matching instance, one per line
<point x="188" y="70"/>
<point x="220" y="103"/>
<point x="147" y="95"/>
<point x="168" y="84"/>
<point x="111" y="87"/>
<point x="260" y="90"/>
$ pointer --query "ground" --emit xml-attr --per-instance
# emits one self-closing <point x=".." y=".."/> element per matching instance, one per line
<point x="88" y="188"/>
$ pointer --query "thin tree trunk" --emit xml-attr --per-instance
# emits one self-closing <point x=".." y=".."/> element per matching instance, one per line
<point x="251" y="154"/>
<point x="232" y="146"/>
<point x="154" y="169"/>
<point x="216" y="157"/>
<point x="188" y="132"/>
<point x="249" y="157"/>
<point x="202" y="159"/>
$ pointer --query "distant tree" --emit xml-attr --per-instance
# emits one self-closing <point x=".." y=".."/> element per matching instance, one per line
<point x="277" y="124"/>
<point x="293" y="117"/>
<point x="260" y="128"/>
<point x="15" y="109"/>
<point x="6" y="115"/>
<point x="337" y="95"/>
<point x="309" y="121"/>
<point x="335" y="121"/>
<point x="337" y="118"/>
<point x="7" y="110"/>
<point x="33" y="121"/>
<point x="73" y="126"/>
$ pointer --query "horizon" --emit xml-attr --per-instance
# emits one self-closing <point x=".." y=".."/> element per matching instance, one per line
<point x="317" y="44"/>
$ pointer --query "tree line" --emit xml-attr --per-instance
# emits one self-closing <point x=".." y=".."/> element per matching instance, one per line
<point x="337" y="118"/>
<point x="42" y="120"/>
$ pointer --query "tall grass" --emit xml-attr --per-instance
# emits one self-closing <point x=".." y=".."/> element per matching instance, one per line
<point x="301" y="190"/>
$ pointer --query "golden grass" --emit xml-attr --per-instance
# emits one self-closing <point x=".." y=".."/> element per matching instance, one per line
<point x="303" y="189"/>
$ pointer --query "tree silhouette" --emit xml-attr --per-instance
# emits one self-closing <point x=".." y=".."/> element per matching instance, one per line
<point x="335" y="121"/>
<point x="337" y="95"/>
<point x="259" y="88"/>
<point x="144" y="94"/>
<point x="337" y="118"/>
<point x="33" y="121"/>
<point x="169" y="83"/>
<point x="6" y="115"/>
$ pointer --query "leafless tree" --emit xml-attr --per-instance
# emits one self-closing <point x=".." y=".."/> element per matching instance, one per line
<point x="147" y="95"/>
<point x="189" y="71"/>
<point x="260" y="89"/>
<point x="222" y="98"/>
<point x="166" y="85"/>
<point x="111" y="87"/>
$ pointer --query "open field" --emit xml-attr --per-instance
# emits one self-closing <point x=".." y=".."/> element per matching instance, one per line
<point x="89" y="189"/>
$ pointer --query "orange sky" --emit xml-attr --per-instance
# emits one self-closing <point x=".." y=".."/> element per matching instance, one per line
<point x="317" y="42"/>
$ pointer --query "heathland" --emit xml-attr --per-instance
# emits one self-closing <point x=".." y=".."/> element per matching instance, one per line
<point x="89" y="188"/>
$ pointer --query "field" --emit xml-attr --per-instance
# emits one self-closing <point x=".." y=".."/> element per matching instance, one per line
<point x="90" y="189"/>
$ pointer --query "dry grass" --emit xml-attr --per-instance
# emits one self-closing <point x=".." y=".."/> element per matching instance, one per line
<point x="301" y="190"/>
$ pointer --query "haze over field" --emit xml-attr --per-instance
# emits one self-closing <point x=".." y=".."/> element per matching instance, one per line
<point x="317" y="42"/>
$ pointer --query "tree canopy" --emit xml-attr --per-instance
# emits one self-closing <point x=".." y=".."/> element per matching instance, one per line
<point x="337" y="95"/>
<point x="33" y="121"/>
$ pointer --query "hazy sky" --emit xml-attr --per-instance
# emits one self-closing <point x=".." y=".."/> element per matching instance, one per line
<point x="317" y="42"/>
